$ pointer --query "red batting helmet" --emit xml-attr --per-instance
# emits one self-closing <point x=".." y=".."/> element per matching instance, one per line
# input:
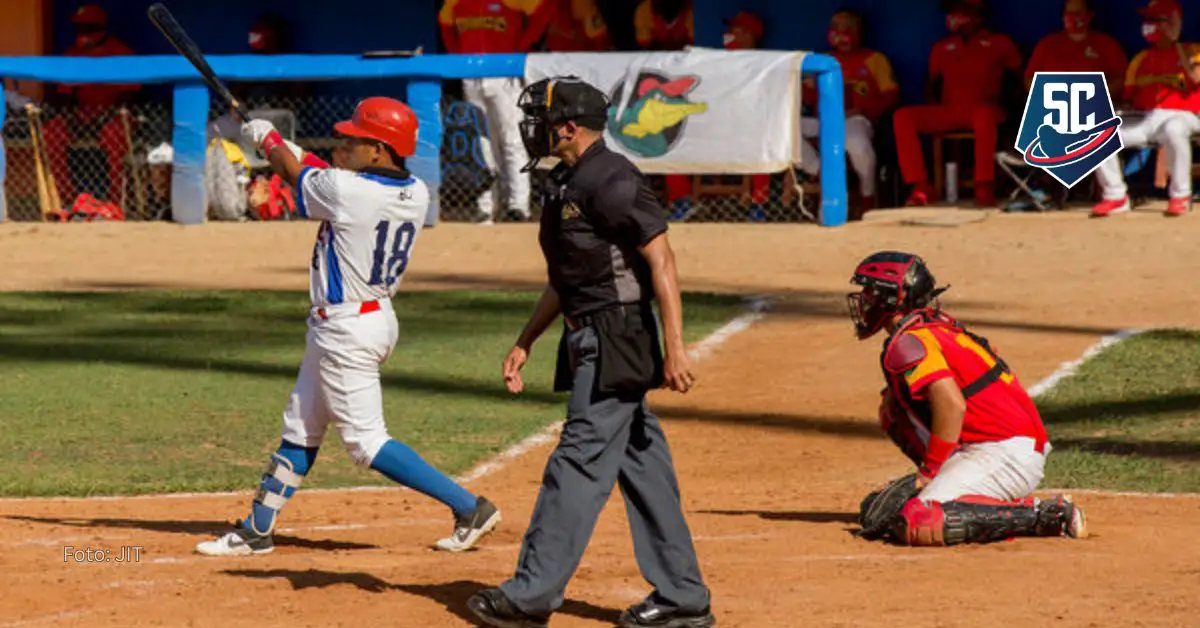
<point x="384" y="120"/>
<point x="892" y="283"/>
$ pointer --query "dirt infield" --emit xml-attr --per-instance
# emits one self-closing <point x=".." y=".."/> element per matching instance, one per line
<point x="774" y="448"/>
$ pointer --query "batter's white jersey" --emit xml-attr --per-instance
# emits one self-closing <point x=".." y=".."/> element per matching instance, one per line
<point x="370" y="223"/>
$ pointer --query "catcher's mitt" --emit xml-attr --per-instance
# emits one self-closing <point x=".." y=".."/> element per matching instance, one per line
<point x="880" y="508"/>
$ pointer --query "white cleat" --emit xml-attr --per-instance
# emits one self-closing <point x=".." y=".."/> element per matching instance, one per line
<point x="240" y="542"/>
<point x="1077" y="521"/>
<point x="468" y="530"/>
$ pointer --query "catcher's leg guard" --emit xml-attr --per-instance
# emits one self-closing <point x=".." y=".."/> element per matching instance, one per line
<point x="285" y="471"/>
<point x="982" y="520"/>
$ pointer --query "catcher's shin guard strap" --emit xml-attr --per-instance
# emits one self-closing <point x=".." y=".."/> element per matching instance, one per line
<point x="977" y="520"/>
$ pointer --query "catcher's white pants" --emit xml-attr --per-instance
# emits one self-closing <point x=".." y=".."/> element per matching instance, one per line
<point x="1169" y="128"/>
<point x="339" y="380"/>
<point x="860" y="148"/>
<point x="497" y="99"/>
<point x="1007" y="470"/>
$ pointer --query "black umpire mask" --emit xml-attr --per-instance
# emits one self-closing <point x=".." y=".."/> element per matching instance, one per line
<point x="552" y="101"/>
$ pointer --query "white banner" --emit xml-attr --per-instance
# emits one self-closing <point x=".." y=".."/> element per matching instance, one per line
<point x="698" y="111"/>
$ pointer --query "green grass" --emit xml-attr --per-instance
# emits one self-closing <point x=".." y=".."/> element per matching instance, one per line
<point x="137" y="392"/>
<point x="1130" y="419"/>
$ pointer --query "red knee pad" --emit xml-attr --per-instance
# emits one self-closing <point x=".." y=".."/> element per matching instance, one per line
<point x="924" y="523"/>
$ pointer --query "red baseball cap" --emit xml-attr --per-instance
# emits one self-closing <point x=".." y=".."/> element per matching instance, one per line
<point x="90" y="14"/>
<point x="1164" y="9"/>
<point x="749" y="21"/>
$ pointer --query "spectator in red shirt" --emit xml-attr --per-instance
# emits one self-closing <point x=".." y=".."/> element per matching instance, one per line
<point x="1077" y="48"/>
<point x="871" y="92"/>
<point x="487" y="26"/>
<point x="1163" y="84"/>
<point x="970" y="64"/>
<point x="93" y="108"/>
<point x="664" y="24"/>
<point x="576" y="26"/>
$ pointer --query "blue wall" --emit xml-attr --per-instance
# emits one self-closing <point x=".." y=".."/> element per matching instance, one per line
<point x="905" y="30"/>
<point x="222" y="26"/>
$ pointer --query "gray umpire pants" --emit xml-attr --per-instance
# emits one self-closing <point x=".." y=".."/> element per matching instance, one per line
<point x="606" y="441"/>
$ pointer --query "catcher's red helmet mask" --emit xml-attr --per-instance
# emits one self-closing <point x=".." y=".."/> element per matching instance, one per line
<point x="892" y="283"/>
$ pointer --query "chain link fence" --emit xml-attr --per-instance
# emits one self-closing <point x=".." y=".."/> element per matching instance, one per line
<point x="116" y="164"/>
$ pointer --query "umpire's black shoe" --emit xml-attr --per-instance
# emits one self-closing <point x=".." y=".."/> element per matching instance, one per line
<point x="493" y="608"/>
<point x="648" y="613"/>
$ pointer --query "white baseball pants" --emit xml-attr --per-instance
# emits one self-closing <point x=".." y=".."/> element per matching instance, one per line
<point x="497" y="99"/>
<point x="1007" y="470"/>
<point x="339" y="380"/>
<point x="1169" y="128"/>
<point x="860" y="148"/>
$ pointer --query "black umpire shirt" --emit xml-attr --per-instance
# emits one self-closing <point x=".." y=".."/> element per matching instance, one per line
<point x="595" y="217"/>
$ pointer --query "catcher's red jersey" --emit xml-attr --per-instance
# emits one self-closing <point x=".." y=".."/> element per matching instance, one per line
<point x="999" y="411"/>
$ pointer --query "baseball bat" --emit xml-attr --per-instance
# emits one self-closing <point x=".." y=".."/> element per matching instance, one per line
<point x="51" y="182"/>
<point x="139" y="192"/>
<point x="166" y="23"/>
<point x="39" y="166"/>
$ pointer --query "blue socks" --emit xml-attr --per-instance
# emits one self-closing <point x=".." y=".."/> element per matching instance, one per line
<point x="285" y="472"/>
<point x="401" y="464"/>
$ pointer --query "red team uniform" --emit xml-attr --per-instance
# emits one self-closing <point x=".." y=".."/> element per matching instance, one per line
<point x="977" y="481"/>
<point x="971" y="71"/>
<point x="95" y="115"/>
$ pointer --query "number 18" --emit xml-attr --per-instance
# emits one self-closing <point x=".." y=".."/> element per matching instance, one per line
<point x="387" y="269"/>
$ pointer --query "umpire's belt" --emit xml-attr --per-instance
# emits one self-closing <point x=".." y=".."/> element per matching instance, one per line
<point x="575" y="323"/>
<point x="342" y="310"/>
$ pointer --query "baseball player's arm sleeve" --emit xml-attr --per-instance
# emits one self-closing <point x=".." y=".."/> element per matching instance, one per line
<point x="1011" y="56"/>
<point x="317" y="193"/>
<point x="449" y="32"/>
<point x="1131" y="76"/>
<point x="538" y="14"/>
<point x="888" y="92"/>
<point x="643" y="24"/>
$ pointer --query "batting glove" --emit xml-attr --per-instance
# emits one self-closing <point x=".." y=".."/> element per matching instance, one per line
<point x="255" y="131"/>
<point x="262" y="137"/>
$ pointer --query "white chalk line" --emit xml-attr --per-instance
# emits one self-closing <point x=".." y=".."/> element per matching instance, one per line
<point x="1068" y="369"/>
<point x="755" y="309"/>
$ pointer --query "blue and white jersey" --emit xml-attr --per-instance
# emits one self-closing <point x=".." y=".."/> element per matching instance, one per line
<point x="370" y="222"/>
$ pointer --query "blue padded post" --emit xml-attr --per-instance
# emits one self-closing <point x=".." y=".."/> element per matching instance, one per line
<point x="425" y="99"/>
<point x="189" y="204"/>
<point x="832" y="114"/>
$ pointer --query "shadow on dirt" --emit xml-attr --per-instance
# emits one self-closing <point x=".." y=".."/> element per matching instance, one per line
<point x="451" y="595"/>
<point x="189" y="527"/>
<point x="805" y="516"/>
<point x="841" y="426"/>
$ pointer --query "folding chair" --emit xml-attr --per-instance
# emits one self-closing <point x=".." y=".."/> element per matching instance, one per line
<point x="1024" y="195"/>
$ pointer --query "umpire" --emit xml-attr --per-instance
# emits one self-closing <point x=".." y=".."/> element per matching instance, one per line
<point x="604" y="238"/>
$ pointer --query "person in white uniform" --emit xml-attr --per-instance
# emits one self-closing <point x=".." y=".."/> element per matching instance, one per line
<point x="371" y="212"/>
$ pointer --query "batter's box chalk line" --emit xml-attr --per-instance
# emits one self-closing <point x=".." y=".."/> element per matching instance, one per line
<point x="755" y="306"/>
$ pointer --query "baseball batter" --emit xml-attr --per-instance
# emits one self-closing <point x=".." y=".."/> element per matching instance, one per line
<point x="955" y="408"/>
<point x="1163" y="82"/>
<point x="371" y="213"/>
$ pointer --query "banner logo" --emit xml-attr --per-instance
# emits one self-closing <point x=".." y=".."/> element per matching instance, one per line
<point x="1069" y="126"/>
<point x="652" y="119"/>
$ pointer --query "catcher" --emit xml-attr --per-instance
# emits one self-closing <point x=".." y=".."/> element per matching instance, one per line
<point x="959" y="413"/>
